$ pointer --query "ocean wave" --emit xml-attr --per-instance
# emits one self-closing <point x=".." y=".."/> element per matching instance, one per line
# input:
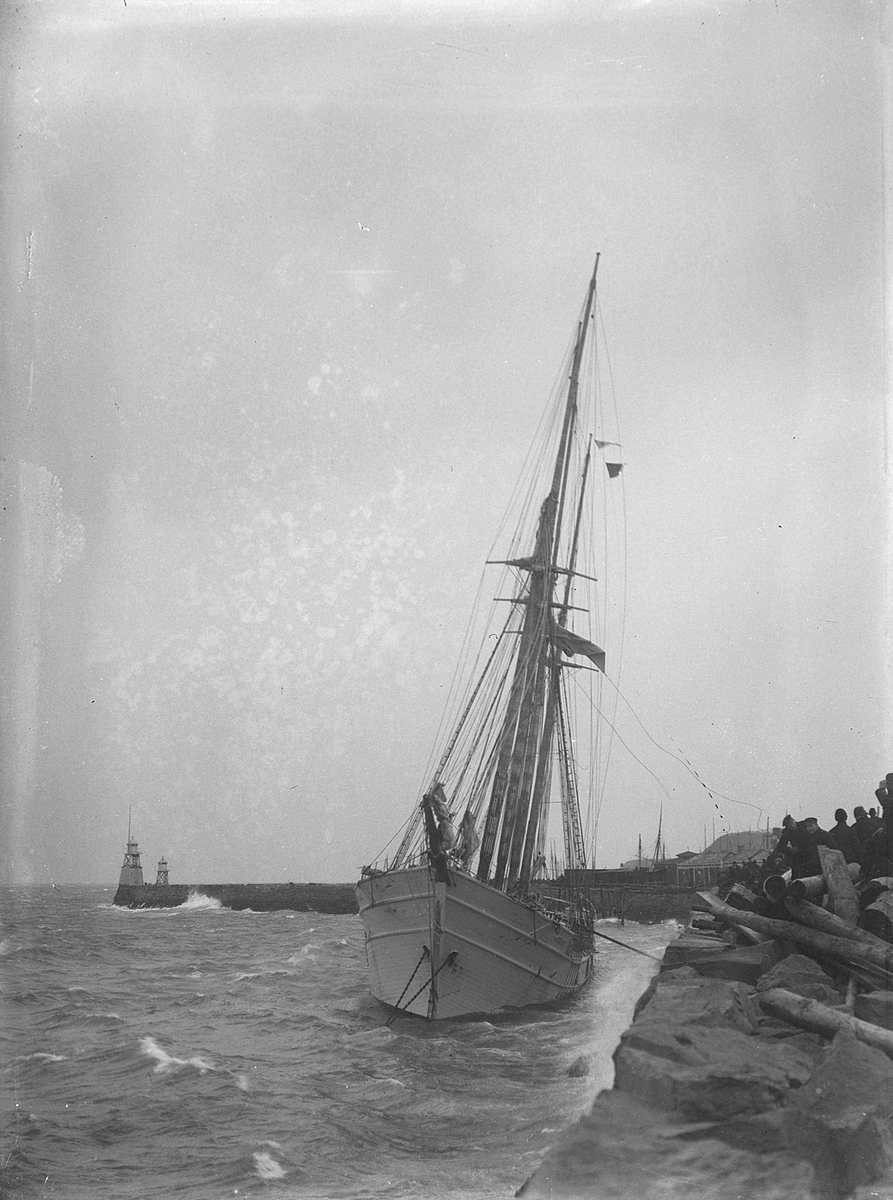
<point x="167" y="1063"/>
<point x="305" y="952"/>
<point x="168" y="1091"/>
<point x="269" y="974"/>
<point x="266" y="1167"/>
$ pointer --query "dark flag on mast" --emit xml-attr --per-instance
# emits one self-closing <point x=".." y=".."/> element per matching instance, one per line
<point x="571" y="643"/>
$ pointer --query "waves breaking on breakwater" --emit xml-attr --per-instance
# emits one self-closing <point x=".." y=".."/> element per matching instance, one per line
<point x="197" y="899"/>
<point x="333" y="898"/>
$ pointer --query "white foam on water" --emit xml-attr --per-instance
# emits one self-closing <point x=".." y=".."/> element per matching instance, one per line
<point x="197" y="899"/>
<point x="380" y="1034"/>
<point x="167" y="1063"/>
<point x="266" y="1166"/>
<point x="305" y="952"/>
<point x="46" y="1057"/>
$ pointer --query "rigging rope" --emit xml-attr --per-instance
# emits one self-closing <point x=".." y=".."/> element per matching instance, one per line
<point x="406" y="989"/>
<point x="447" y="962"/>
<point x="626" y="946"/>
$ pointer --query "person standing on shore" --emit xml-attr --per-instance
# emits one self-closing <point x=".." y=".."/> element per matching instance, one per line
<point x="811" y="837"/>
<point x="879" y="851"/>
<point x="862" y="825"/>
<point x="844" y="837"/>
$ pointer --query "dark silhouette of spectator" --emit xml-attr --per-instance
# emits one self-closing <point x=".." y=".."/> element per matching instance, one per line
<point x="810" y="837"/>
<point x="862" y="825"/>
<point x="844" y="837"/>
<point x="784" y="850"/>
<point x="879" y="851"/>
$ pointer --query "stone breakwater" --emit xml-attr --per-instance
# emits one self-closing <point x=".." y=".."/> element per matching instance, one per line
<point x="715" y="1098"/>
<point x="260" y="897"/>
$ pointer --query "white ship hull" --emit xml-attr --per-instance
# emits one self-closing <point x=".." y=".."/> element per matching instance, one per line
<point x="444" y="950"/>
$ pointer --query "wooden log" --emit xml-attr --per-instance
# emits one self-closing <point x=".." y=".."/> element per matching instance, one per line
<point x="817" y="942"/>
<point x="852" y="990"/>
<point x="819" y="1018"/>
<point x="822" y="918"/>
<point x="878" y="917"/>
<point x="841" y="893"/>
<point x="775" y="887"/>
<point x="812" y="886"/>
<point x="741" y="897"/>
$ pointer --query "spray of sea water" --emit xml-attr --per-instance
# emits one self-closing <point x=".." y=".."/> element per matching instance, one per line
<point x="195" y="1053"/>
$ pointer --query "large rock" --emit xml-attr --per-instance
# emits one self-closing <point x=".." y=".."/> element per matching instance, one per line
<point x="719" y="960"/>
<point x="706" y="1073"/>
<point x="695" y="1000"/>
<point x="802" y="975"/>
<point x="622" y="1149"/>
<point x="840" y="1121"/>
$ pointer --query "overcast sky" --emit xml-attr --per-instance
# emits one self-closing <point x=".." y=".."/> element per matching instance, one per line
<point x="285" y="293"/>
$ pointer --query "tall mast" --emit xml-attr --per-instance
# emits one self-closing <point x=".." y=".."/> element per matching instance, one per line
<point x="576" y="856"/>
<point x="520" y="742"/>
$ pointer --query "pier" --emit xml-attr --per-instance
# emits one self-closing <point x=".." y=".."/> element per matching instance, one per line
<point x="259" y="897"/>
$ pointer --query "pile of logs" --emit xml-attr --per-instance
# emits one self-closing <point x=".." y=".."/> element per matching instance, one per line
<point x="849" y="932"/>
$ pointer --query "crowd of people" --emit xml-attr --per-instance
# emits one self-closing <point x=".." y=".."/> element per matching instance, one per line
<point x="868" y="841"/>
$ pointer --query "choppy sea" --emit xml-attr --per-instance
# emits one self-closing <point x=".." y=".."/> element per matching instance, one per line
<point x="198" y="1053"/>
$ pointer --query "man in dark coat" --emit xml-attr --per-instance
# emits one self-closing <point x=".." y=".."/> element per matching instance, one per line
<point x="807" y="847"/>
<point x="784" y="851"/>
<point x="879" y="850"/>
<point x="862" y="824"/>
<point x="844" y="837"/>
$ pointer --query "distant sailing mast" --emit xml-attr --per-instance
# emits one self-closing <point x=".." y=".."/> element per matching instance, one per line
<point x="132" y="871"/>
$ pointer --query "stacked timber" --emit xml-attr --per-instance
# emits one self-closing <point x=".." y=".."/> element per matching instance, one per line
<point x="759" y="1062"/>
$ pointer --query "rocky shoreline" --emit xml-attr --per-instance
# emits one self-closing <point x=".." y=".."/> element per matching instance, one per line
<point x="718" y="1095"/>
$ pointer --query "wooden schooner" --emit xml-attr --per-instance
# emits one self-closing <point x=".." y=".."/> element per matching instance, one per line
<point x="461" y="921"/>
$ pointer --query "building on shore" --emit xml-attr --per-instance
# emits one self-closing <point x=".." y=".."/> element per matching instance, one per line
<point x="751" y="846"/>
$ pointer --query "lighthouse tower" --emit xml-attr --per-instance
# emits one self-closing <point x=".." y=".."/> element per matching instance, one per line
<point x="132" y="871"/>
<point x="162" y="875"/>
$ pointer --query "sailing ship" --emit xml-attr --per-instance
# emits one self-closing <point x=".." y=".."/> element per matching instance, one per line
<point x="461" y="921"/>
